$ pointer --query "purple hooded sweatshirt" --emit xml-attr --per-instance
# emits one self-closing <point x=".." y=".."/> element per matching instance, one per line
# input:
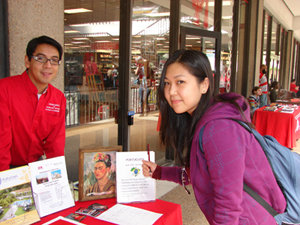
<point x="231" y="156"/>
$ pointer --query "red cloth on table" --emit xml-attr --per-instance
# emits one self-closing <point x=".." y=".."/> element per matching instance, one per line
<point x="284" y="127"/>
<point x="171" y="211"/>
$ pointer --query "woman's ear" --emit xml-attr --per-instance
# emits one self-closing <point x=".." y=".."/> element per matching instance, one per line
<point x="205" y="85"/>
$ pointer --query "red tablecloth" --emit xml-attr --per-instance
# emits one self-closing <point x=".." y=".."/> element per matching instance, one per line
<point x="284" y="127"/>
<point x="171" y="211"/>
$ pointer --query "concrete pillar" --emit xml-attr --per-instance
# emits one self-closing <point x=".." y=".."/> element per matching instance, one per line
<point x="28" y="19"/>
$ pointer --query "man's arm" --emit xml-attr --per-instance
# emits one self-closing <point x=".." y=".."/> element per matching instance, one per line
<point x="55" y="142"/>
<point x="5" y="135"/>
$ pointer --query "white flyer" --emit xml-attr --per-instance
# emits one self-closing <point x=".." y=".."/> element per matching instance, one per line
<point x="50" y="185"/>
<point x="128" y="215"/>
<point x="132" y="186"/>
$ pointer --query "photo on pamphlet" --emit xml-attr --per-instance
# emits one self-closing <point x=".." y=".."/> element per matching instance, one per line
<point x="42" y="178"/>
<point x="97" y="173"/>
<point x="16" y="201"/>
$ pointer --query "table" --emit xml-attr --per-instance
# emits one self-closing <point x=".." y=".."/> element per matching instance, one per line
<point x="171" y="211"/>
<point x="284" y="127"/>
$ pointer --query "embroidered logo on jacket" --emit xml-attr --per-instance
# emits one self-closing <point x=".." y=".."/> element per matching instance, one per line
<point x="53" y="107"/>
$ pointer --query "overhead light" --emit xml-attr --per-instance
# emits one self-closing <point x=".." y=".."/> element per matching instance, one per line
<point x="159" y="44"/>
<point x="188" y="45"/>
<point x="115" y="39"/>
<point x="225" y="3"/>
<point x="226" y="17"/>
<point x="160" y="39"/>
<point x="157" y="14"/>
<point x="81" y="38"/>
<point x="101" y="41"/>
<point x="84" y="46"/>
<point x="78" y="10"/>
<point x="136" y="41"/>
<point x="192" y="38"/>
<point x="71" y="31"/>
<point x="77" y="42"/>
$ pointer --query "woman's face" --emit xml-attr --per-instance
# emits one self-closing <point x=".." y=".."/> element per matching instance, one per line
<point x="182" y="90"/>
<point x="100" y="170"/>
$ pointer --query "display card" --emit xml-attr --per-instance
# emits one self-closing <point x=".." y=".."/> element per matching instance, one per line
<point x="50" y="185"/>
<point x="132" y="185"/>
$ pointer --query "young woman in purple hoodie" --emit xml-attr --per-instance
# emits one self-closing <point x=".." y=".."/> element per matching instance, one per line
<point x="231" y="155"/>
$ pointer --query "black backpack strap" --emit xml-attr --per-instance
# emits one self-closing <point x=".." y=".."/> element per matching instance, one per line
<point x="260" y="200"/>
<point x="246" y="188"/>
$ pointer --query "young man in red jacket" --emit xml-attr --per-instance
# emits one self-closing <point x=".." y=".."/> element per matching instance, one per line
<point x="32" y="111"/>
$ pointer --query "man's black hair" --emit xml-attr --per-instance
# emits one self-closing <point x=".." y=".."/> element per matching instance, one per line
<point x="31" y="46"/>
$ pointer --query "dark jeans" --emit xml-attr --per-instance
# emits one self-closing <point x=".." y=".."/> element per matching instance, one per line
<point x="141" y="93"/>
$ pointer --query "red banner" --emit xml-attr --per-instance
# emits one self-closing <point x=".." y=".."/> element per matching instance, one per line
<point x="198" y="6"/>
<point x="105" y="46"/>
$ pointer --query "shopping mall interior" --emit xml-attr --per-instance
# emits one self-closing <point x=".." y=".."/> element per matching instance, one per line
<point x="105" y="41"/>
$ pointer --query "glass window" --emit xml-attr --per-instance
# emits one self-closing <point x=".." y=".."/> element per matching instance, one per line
<point x="150" y="50"/>
<point x="91" y="60"/>
<point x="274" y="58"/>
<point x="265" y="37"/>
<point x="199" y="13"/>
<point x="226" y="47"/>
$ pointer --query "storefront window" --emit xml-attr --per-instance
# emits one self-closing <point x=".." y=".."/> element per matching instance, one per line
<point x="265" y="38"/>
<point x="91" y="60"/>
<point x="199" y="13"/>
<point x="226" y="49"/>
<point x="274" y="58"/>
<point x="150" y="50"/>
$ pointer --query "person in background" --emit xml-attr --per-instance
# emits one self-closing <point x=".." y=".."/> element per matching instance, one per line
<point x="294" y="88"/>
<point x="254" y="99"/>
<point x="263" y="83"/>
<point x="274" y="91"/>
<point x="143" y="86"/>
<point x="32" y="111"/>
<point x="231" y="157"/>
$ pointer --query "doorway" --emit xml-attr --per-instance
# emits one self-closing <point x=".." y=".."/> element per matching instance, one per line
<point x="208" y="42"/>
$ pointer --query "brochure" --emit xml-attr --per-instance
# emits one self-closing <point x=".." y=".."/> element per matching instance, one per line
<point x="50" y="185"/>
<point x="132" y="186"/>
<point x="16" y="201"/>
<point x="88" y="212"/>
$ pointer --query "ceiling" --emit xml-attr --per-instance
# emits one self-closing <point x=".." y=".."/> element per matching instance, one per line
<point x="293" y="6"/>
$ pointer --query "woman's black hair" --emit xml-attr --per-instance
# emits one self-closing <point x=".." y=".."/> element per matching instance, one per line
<point x="274" y="84"/>
<point x="177" y="129"/>
<point x="32" y="45"/>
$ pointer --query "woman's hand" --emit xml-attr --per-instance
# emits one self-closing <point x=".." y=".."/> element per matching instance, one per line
<point x="148" y="168"/>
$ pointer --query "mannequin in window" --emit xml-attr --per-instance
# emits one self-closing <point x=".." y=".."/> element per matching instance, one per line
<point x="142" y="72"/>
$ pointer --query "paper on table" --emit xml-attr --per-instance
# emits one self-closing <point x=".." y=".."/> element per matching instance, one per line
<point x="50" y="185"/>
<point x="61" y="220"/>
<point x="132" y="186"/>
<point x="128" y="215"/>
